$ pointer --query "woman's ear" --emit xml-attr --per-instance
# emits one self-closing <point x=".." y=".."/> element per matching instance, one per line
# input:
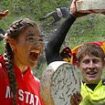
<point x="11" y="42"/>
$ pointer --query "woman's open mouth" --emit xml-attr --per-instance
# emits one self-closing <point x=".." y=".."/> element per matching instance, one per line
<point x="34" y="54"/>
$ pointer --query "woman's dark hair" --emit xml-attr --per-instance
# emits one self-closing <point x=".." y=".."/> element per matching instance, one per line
<point x="13" y="32"/>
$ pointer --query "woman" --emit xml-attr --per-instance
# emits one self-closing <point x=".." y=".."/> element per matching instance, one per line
<point x="23" y="45"/>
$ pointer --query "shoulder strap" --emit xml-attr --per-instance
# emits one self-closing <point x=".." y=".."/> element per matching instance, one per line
<point x="1" y="60"/>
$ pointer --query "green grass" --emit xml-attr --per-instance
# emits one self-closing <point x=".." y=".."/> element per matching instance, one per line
<point x="84" y="30"/>
<point x="1" y="47"/>
<point x="76" y="40"/>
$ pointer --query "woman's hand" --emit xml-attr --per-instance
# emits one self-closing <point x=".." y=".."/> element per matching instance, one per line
<point x="75" y="99"/>
<point x="3" y="14"/>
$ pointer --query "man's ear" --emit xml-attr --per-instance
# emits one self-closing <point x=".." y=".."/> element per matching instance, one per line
<point x="104" y="61"/>
<point x="77" y="64"/>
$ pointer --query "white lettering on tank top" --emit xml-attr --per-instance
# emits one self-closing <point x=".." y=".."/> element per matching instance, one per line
<point x="32" y="99"/>
<point x="27" y="96"/>
<point x="36" y="97"/>
<point x="8" y="92"/>
<point x="23" y="96"/>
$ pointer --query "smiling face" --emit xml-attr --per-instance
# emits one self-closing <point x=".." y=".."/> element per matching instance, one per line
<point x="91" y="68"/>
<point x="27" y="47"/>
<point x="91" y="61"/>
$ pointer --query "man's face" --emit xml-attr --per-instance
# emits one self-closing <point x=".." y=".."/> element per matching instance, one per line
<point x="91" y="68"/>
<point x="28" y="47"/>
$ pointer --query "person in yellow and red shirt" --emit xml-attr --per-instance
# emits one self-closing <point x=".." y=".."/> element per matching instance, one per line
<point x="91" y="62"/>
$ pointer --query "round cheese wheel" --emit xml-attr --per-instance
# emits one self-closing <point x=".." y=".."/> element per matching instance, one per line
<point x="59" y="81"/>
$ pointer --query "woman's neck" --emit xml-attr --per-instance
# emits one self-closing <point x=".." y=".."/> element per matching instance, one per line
<point x="22" y="67"/>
